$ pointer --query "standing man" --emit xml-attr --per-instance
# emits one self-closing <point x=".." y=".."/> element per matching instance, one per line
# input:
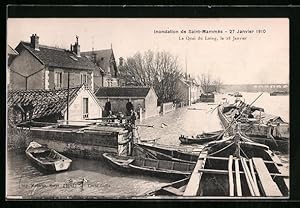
<point x="129" y="107"/>
<point x="107" y="108"/>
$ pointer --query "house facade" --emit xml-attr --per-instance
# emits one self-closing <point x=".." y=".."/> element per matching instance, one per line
<point x="107" y="73"/>
<point x="43" y="67"/>
<point x="144" y="99"/>
<point x="188" y="91"/>
<point x="11" y="55"/>
<point x="51" y="105"/>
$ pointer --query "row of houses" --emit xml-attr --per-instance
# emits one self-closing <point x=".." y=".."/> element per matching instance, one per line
<point x="38" y="76"/>
<point x="39" y="66"/>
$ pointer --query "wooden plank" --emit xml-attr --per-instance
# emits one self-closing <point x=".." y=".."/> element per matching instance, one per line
<point x="275" y="158"/>
<point x="278" y="162"/>
<point x="249" y="175"/>
<point x="216" y="171"/>
<point x="237" y="178"/>
<point x="230" y="176"/>
<point x="247" y="179"/>
<point x="173" y="190"/>
<point x="287" y="182"/>
<point x="253" y="190"/>
<point x="269" y="186"/>
<point x="253" y="172"/>
<point x="194" y="182"/>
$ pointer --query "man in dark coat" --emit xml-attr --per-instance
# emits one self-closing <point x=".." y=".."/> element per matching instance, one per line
<point x="107" y="108"/>
<point x="129" y="107"/>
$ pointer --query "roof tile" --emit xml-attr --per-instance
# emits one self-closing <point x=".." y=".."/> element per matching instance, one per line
<point x="44" y="102"/>
<point x="57" y="57"/>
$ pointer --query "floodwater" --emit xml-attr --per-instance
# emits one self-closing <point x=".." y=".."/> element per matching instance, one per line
<point x="101" y="181"/>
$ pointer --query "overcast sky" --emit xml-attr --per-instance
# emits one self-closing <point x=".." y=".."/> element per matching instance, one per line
<point x="260" y="58"/>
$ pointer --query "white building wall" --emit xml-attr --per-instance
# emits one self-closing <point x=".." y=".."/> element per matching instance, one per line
<point x="76" y="107"/>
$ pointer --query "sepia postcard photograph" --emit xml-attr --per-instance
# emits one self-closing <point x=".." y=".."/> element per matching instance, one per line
<point x="147" y="108"/>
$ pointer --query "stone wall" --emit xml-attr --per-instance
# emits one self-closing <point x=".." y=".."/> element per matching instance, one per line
<point x="87" y="144"/>
<point x="167" y="107"/>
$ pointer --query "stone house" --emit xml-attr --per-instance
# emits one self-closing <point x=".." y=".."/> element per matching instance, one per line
<point x="143" y="98"/>
<point x="11" y="54"/>
<point x="51" y="105"/>
<point x="188" y="91"/>
<point x="43" y="67"/>
<point x="106" y="75"/>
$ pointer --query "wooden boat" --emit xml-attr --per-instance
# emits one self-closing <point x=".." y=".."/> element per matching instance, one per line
<point x="200" y="138"/>
<point x="47" y="159"/>
<point x="237" y="167"/>
<point x="163" y="153"/>
<point x="152" y="167"/>
<point x="279" y="93"/>
<point x="260" y="127"/>
<point x="175" y="188"/>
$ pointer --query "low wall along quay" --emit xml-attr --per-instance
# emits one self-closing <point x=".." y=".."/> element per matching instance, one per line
<point x="90" y="142"/>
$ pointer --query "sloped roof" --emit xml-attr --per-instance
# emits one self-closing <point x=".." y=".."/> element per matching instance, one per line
<point x="102" y="57"/>
<point x="44" y="102"/>
<point x="11" y="51"/>
<point x="123" y="92"/>
<point x="58" y="57"/>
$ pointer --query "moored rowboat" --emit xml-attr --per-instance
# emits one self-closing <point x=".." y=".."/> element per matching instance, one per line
<point x="163" y="153"/>
<point x="47" y="159"/>
<point x="200" y="138"/>
<point x="158" y="168"/>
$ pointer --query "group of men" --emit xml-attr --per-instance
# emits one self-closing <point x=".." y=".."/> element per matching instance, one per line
<point x="129" y="110"/>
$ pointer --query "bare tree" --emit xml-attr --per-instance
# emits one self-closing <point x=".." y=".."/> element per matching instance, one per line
<point x="157" y="69"/>
<point x="217" y="85"/>
<point x="209" y="84"/>
<point x="205" y="82"/>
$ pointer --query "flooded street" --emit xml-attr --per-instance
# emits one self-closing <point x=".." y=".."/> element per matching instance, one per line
<point x="102" y="181"/>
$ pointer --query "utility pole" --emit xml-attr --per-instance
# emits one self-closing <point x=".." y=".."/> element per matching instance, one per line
<point x="68" y="98"/>
<point x="186" y="76"/>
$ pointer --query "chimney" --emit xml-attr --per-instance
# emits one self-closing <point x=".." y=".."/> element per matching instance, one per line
<point x="76" y="47"/>
<point x="34" y="42"/>
<point x="121" y="61"/>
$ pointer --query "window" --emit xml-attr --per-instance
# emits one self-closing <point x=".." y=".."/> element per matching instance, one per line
<point x="58" y="79"/>
<point x="85" y="108"/>
<point x="83" y="78"/>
